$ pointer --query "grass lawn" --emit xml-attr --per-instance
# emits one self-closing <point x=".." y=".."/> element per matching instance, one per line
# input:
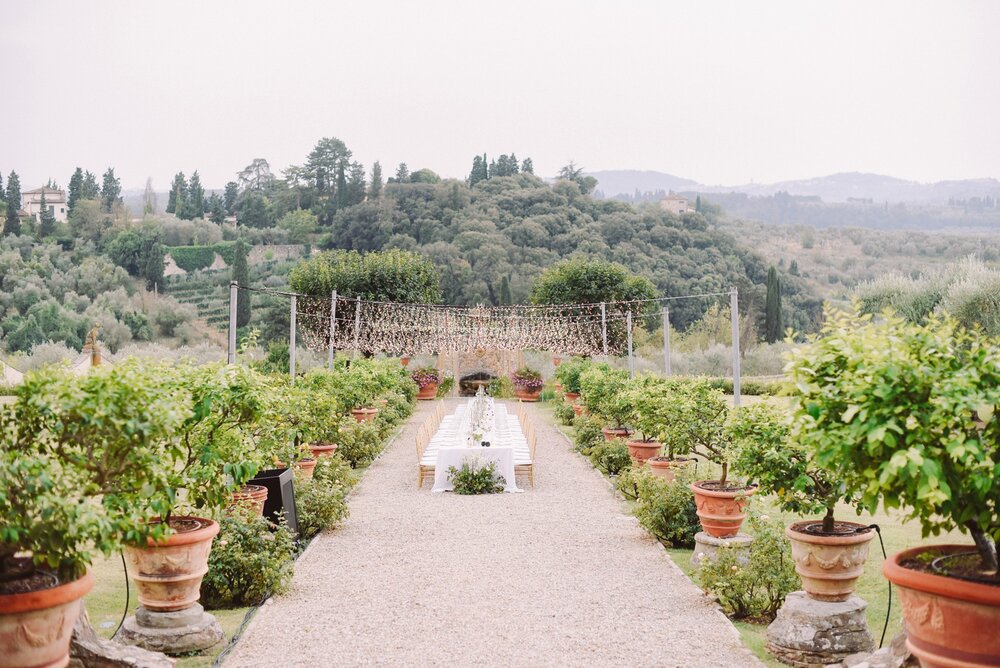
<point x="872" y="587"/>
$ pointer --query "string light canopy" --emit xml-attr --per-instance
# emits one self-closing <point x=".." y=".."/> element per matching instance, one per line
<point x="409" y="329"/>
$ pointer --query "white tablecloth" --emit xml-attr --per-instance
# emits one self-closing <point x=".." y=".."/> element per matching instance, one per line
<point x="448" y="457"/>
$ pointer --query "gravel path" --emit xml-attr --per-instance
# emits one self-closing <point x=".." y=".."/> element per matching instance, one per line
<point x="559" y="575"/>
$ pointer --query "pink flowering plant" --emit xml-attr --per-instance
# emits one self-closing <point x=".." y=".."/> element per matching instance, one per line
<point x="527" y="379"/>
<point x="426" y="376"/>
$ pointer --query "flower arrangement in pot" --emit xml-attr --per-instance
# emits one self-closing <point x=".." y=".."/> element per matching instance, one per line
<point x="906" y="414"/>
<point x="696" y="424"/>
<point x="829" y="554"/>
<point x="427" y="379"/>
<point x="568" y="374"/>
<point x="82" y="469"/>
<point x="604" y="392"/>
<point x="527" y="384"/>
<point x="651" y="400"/>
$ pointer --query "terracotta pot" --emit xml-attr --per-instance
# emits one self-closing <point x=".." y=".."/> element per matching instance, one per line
<point x="612" y="434"/>
<point x="721" y="512"/>
<point x="168" y="574"/>
<point x="364" y="414"/>
<point x="36" y="626"/>
<point x="640" y="451"/>
<point x="306" y="466"/>
<point x="579" y="410"/>
<point x="405" y="361"/>
<point x="525" y="394"/>
<point x="559" y="386"/>
<point x="572" y="396"/>
<point x="428" y="392"/>
<point x="251" y="496"/>
<point x="556" y="360"/>
<point x="829" y="566"/>
<point x="666" y="468"/>
<point x="322" y="449"/>
<point x="949" y="622"/>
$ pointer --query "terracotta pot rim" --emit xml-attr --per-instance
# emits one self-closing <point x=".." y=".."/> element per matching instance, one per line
<point x="188" y="537"/>
<point x="939" y="585"/>
<point x="41" y="599"/>
<point x="247" y="491"/>
<point x="322" y="445"/>
<point x="748" y="490"/>
<point x="675" y="460"/>
<point x="646" y="444"/>
<point x="817" y="539"/>
<point x="609" y="430"/>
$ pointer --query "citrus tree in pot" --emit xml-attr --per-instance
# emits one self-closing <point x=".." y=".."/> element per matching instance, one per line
<point x="210" y="457"/>
<point x="427" y="379"/>
<point x="906" y="414"/>
<point x="527" y="384"/>
<point x="696" y="421"/>
<point x="568" y="374"/>
<point x="829" y="554"/>
<point x="604" y="392"/>
<point x="81" y="472"/>
<point x="651" y="401"/>
<point x="287" y="427"/>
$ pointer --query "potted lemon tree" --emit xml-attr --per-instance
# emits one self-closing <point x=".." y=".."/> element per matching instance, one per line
<point x="604" y="392"/>
<point x="907" y="416"/>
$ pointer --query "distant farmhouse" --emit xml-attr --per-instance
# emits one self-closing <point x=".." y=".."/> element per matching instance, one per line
<point x="55" y="200"/>
<point x="675" y="204"/>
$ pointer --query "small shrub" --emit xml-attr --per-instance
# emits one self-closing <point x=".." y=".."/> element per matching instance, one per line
<point x="501" y="388"/>
<point x="611" y="457"/>
<point x="319" y="503"/>
<point x="588" y="433"/>
<point x="757" y="588"/>
<point x="476" y="479"/>
<point x="664" y="508"/>
<point x="250" y="560"/>
<point x="564" y="413"/>
<point x="359" y="443"/>
<point x="446" y="386"/>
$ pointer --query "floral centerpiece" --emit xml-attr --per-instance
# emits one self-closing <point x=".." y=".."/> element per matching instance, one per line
<point x="427" y="379"/>
<point x="527" y="384"/>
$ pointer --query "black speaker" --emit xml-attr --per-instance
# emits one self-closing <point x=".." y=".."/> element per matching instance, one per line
<point x="280" y="496"/>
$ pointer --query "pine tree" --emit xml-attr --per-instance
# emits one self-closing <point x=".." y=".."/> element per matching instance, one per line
<point x="176" y="201"/>
<point x="75" y="190"/>
<point x="216" y="209"/>
<point x="402" y="173"/>
<point x="527" y="167"/>
<point x="241" y="275"/>
<point x="772" y="307"/>
<point x="229" y="196"/>
<point x="46" y="219"/>
<point x="89" y="189"/>
<point x="12" y="225"/>
<point x="375" y="189"/>
<point x="111" y="190"/>
<point x="194" y="206"/>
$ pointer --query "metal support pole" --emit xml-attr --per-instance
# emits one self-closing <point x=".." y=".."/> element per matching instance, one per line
<point x="734" y="308"/>
<point x="604" y="329"/>
<point x="631" y="360"/>
<point x="333" y="328"/>
<point x="234" y="294"/>
<point x="666" y="341"/>
<point x="291" y="340"/>
<point x="357" y="328"/>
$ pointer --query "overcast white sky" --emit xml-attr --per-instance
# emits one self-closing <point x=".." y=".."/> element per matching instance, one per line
<point x="721" y="92"/>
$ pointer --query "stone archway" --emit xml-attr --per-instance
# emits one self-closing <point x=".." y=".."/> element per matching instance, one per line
<point x="470" y="369"/>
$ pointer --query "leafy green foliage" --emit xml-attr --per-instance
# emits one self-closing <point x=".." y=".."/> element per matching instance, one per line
<point x="664" y="508"/>
<point x="695" y="421"/>
<point x="772" y="308"/>
<point x="241" y="276"/>
<point x="603" y="391"/>
<point x="610" y="457"/>
<point x="359" y="443"/>
<point x="321" y="502"/>
<point x="587" y="433"/>
<point x="473" y="478"/>
<point x="193" y="258"/>
<point x="501" y="388"/>
<point x="906" y="414"/>
<point x="757" y="588"/>
<point x="564" y="413"/>
<point x="568" y="373"/>
<point x="139" y="251"/>
<point x="250" y="560"/>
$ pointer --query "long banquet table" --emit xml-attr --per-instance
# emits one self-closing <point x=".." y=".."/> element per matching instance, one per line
<point x="449" y="447"/>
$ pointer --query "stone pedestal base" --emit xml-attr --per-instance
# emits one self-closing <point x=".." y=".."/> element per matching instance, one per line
<point x="706" y="547"/>
<point x="809" y="633"/>
<point x="188" y="630"/>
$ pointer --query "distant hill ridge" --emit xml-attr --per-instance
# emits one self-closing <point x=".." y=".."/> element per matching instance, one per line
<point x="832" y="188"/>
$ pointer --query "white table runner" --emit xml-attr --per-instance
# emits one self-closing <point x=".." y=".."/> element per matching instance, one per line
<point x="507" y="447"/>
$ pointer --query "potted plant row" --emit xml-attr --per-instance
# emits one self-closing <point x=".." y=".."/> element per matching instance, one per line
<point x="568" y="375"/>
<point x="527" y="384"/>
<point x="427" y="379"/>
<point x="652" y="405"/>
<point x="906" y="415"/>
<point x="604" y="392"/>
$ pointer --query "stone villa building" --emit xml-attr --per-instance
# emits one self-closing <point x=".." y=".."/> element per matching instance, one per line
<point x="55" y="200"/>
<point x="675" y="204"/>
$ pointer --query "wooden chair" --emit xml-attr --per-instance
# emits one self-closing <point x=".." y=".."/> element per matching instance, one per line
<point x="423" y="470"/>
<point x="528" y="427"/>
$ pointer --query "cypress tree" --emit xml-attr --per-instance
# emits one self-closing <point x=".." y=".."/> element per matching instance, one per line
<point x="527" y="167"/>
<point x="89" y="189"/>
<point x="46" y="219"/>
<point x="342" y="198"/>
<point x="241" y="275"/>
<point x="177" y="198"/>
<point x="194" y="207"/>
<point x="229" y="196"/>
<point x="75" y="190"/>
<point x="111" y="190"/>
<point x="12" y="225"/>
<point x="772" y="307"/>
<point x="505" y="298"/>
<point x="375" y="189"/>
<point x="474" y="177"/>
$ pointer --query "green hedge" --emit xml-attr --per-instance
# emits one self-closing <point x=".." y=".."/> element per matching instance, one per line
<point x="193" y="258"/>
